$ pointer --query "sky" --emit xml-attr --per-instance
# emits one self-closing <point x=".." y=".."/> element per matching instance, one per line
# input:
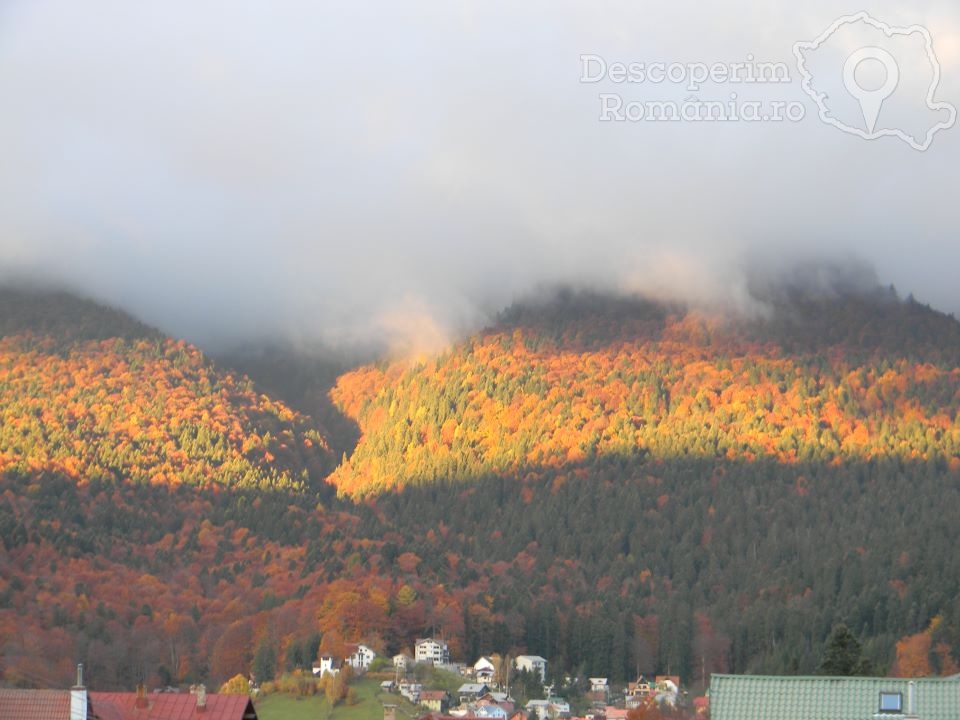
<point x="355" y="172"/>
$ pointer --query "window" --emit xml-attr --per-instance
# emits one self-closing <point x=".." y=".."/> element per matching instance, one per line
<point x="891" y="702"/>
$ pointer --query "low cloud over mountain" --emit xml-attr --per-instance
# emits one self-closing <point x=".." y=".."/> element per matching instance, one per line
<point x="377" y="174"/>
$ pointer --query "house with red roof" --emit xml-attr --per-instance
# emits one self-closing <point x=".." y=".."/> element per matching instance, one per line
<point x="436" y="700"/>
<point x="72" y="704"/>
<point x="40" y="705"/>
<point x="195" y="705"/>
<point x="80" y="704"/>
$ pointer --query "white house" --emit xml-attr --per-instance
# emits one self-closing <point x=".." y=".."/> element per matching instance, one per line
<point x="484" y="670"/>
<point x="411" y="691"/>
<point x="360" y="657"/>
<point x="326" y="665"/>
<point x="432" y="651"/>
<point x="599" y="686"/>
<point x="668" y="689"/>
<point x="599" y="689"/>
<point x="402" y="661"/>
<point x="532" y="664"/>
<point x="540" y="707"/>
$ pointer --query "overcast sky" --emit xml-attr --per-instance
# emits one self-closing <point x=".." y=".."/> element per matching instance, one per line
<point x="341" y="171"/>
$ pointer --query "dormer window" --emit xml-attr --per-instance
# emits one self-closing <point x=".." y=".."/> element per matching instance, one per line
<point x="891" y="703"/>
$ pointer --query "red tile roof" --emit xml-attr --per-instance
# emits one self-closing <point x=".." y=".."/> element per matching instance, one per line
<point x="433" y="695"/>
<point x="34" y="704"/>
<point x="171" y="706"/>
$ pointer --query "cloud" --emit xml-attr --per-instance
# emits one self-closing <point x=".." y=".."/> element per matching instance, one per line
<point x="331" y="172"/>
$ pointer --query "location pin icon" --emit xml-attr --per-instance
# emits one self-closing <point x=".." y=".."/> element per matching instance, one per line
<point x="871" y="100"/>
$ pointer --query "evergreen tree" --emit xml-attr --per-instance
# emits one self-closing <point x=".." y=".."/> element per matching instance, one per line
<point x="843" y="654"/>
<point x="265" y="662"/>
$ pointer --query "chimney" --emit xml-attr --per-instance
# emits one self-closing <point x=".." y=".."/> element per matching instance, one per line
<point x="201" y="698"/>
<point x="912" y="700"/>
<point x="78" y="697"/>
<point x="141" y="701"/>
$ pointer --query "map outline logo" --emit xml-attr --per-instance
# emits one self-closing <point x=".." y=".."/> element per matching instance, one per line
<point x="870" y="100"/>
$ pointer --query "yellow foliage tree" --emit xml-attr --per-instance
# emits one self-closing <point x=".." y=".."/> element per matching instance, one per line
<point x="237" y="685"/>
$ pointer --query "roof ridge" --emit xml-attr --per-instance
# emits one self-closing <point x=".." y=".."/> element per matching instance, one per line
<point x="873" y="678"/>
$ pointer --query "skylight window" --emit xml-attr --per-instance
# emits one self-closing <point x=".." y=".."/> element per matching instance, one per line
<point x="891" y="702"/>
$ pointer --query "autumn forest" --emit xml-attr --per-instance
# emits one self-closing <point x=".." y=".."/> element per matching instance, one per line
<point x="616" y="484"/>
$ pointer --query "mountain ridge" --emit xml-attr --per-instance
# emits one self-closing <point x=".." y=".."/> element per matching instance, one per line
<point x="582" y="510"/>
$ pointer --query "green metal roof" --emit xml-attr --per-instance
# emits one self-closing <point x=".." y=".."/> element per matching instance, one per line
<point x="764" y="697"/>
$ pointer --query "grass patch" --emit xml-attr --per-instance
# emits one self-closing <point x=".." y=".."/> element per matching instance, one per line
<point x="369" y="705"/>
<point x="435" y="679"/>
<point x="280" y="706"/>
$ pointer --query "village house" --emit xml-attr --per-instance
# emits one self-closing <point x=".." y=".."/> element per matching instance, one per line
<point x="171" y="706"/>
<point x="471" y="692"/>
<point x="663" y="690"/>
<point x="735" y="697"/>
<point x="668" y="682"/>
<point x="540" y="707"/>
<point x="491" y="711"/>
<point x="599" y="685"/>
<point x="411" y="691"/>
<point x="327" y="665"/>
<point x="640" y="692"/>
<point x="599" y="691"/>
<point x="668" y="690"/>
<point x="435" y="700"/>
<point x="46" y="704"/>
<point x="532" y="664"/>
<point x="484" y="670"/>
<point x="402" y="662"/>
<point x="500" y="698"/>
<point x="553" y="708"/>
<point x="359" y="657"/>
<point x="429" y="650"/>
<point x="78" y="703"/>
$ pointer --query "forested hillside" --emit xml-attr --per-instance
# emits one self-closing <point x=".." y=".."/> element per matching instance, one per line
<point x="694" y="491"/>
<point x="614" y="484"/>
<point x="124" y="457"/>
<point x="132" y="406"/>
<point x="575" y="380"/>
